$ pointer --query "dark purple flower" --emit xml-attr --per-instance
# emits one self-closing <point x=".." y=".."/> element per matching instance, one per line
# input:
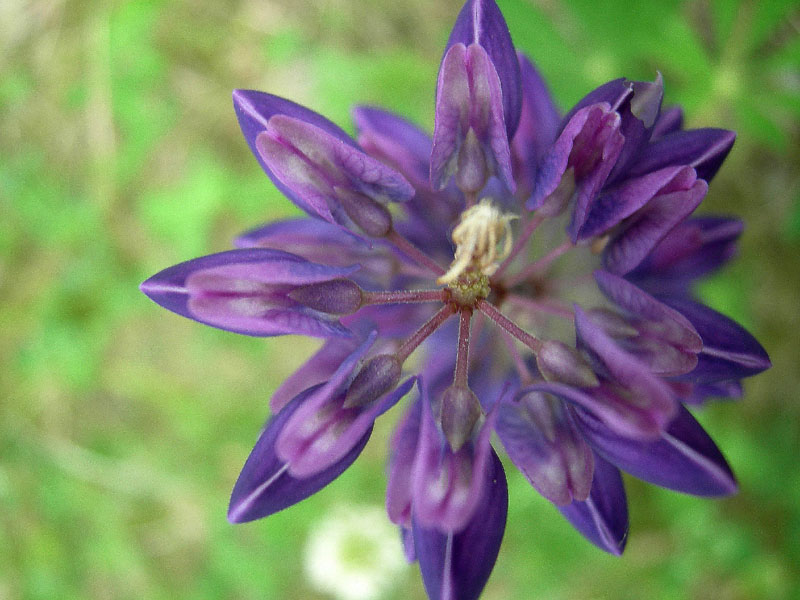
<point x="579" y="348"/>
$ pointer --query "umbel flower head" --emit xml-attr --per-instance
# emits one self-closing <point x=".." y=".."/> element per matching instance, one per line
<point x="520" y="272"/>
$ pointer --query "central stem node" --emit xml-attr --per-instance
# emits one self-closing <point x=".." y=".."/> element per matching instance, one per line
<point x="470" y="287"/>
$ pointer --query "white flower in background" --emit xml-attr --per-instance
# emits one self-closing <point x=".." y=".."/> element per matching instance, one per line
<point x="354" y="554"/>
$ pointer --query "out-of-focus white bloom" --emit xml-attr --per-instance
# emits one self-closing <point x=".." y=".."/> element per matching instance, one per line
<point x="354" y="554"/>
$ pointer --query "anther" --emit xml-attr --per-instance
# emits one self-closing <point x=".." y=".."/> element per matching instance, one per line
<point x="481" y="229"/>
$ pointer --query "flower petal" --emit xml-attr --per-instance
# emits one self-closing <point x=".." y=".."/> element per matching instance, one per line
<point x="469" y="137"/>
<point x="543" y="442"/>
<point x="631" y="400"/>
<point x="254" y="109"/>
<point x="603" y="517"/>
<point x="538" y="125"/>
<point x="401" y="466"/>
<point x="481" y="22"/>
<point x="456" y="566"/>
<point x="685" y="458"/>
<point x="265" y="485"/>
<point x="447" y="485"/>
<point x="394" y="141"/>
<point x="317" y="369"/>
<point x="729" y="351"/>
<point x="692" y="249"/>
<point x="669" y="120"/>
<point x="664" y="339"/>
<point x="622" y="201"/>
<point x="332" y="179"/>
<point x="322" y="431"/>
<point x="244" y="291"/>
<point x="590" y="144"/>
<point x="407" y="148"/>
<point x="640" y="234"/>
<point x="702" y="149"/>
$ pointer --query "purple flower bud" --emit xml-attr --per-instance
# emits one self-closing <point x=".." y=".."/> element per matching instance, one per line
<point x="331" y="179"/>
<point x="663" y="338"/>
<point x="542" y="441"/>
<point x="248" y="292"/>
<point x="460" y="411"/>
<point x="447" y="485"/>
<point x="589" y="144"/>
<point x="379" y="375"/>
<point x="480" y="22"/>
<point x="469" y="137"/>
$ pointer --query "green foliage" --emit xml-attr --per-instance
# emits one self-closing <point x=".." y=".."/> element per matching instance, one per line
<point x="124" y="427"/>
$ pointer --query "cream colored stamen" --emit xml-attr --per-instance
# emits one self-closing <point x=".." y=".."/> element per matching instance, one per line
<point x="481" y="229"/>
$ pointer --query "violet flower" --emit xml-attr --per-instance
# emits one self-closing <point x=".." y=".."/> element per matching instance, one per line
<point x="539" y="268"/>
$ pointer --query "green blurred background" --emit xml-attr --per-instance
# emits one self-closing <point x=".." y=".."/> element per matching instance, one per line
<point x="123" y="427"/>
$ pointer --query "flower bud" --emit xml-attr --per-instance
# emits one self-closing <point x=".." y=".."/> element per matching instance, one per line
<point x="371" y="217"/>
<point x="460" y="412"/>
<point x="335" y="297"/>
<point x="377" y="376"/>
<point x="558" y="362"/>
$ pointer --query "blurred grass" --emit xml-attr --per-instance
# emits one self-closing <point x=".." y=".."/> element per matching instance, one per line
<point x="123" y="427"/>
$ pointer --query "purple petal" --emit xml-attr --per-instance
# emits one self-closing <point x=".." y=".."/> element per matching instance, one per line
<point x="603" y="517"/>
<point x="394" y="141"/>
<point x="405" y="147"/>
<point x="254" y="109"/>
<point x="543" y="442"/>
<point x="619" y="203"/>
<point x="265" y="485"/>
<point x="322" y="431"/>
<point x="702" y="149"/>
<point x="692" y="249"/>
<point x="641" y="233"/>
<point x="401" y="465"/>
<point x="481" y="22"/>
<point x="447" y="485"/>
<point x="670" y="119"/>
<point x="700" y="393"/>
<point x="666" y="341"/>
<point x="244" y="291"/>
<point x="331" y="179"/>
<point x="639" y="113"/>
<point x="538" y="125"/>
<point x="630" y="399"/>
<point x="456" y="566"/>
<point x="612" y="93"/>
<point x="729" y="351"/>
<point x="469" y="136"/>
<point x="685" y="458"/>
<point x="589" y="144"/>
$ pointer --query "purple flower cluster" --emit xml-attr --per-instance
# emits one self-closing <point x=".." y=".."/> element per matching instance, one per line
<point x="520" y="273"/>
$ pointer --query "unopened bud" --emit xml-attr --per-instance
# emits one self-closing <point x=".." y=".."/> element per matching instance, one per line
<point x="561" y="363"/>
<point x="473" y="172"/>
<point x="378" y="376"/>
<point x="371" y="217"/>
<point x="459" y="414"/>
<point x="336" y="297"/>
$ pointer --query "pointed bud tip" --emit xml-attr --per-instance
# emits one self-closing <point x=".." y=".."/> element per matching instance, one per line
<point x="378" y="376"/>
<point x="460" y="412"/>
